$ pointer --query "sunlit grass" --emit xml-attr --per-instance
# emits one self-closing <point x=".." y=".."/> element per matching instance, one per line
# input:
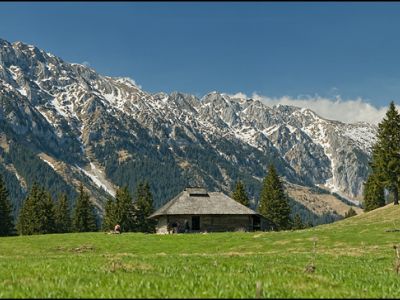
<point x="354" y="258"/>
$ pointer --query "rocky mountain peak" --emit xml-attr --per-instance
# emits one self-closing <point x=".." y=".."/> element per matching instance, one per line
<point x="106" y="126"/>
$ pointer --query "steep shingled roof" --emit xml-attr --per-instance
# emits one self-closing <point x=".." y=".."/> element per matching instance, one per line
<point x="200" y="202"/>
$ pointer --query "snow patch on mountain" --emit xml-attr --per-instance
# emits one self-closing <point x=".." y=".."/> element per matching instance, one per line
<point x="362" y="135"/>
<point x="98" y="177"/>
<point x="49" y="163"/>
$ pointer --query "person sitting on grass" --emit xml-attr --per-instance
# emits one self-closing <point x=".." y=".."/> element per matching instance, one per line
<point x="117" y="229"/>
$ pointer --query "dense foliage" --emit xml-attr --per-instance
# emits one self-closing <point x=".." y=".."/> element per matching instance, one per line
<point x="63" y="215"/>
<point x="374" y="196"/>
<point x="274" y="203"/>
<point x="240" y="195"/>
<point x="350" y="213"/>
<point x="131" y="215"/>
<point x="144" y="208"/>
<point x="37" y="214"/>
<point x="84" y="218"/>
<point x="385" y="163"/>
<point x="6" y="218"/>
<point x="297" y="223"/>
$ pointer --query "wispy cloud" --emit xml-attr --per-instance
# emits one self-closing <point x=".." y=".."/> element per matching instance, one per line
<point x="336" y="108"/>
<point x="129" y="80"/>
<point x="86" y="63"/>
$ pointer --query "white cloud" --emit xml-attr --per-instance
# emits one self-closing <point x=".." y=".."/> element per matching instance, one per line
<point x="348" y="111"/>
<point x="238" y="95"/>
<point x="86" y="63"/>
<point x="129" y="80"/>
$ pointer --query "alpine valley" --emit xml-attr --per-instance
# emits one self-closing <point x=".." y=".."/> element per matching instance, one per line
<point x="62" y="123"/>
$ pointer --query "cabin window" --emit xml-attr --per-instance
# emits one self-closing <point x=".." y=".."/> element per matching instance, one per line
<point x="195" y="222"/>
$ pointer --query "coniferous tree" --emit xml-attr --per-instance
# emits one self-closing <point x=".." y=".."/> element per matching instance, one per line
<point x="309" y="224"/>
<point x="274" y="203"/>
<point x="374" y="196"/>
<point x="297" y="223"/>
<point x="144" y="208"/>
<point x="6" y="218"/>
<point x="124" y="209"/>
<point x="37" y="213"/>
<point x="84" y="219"/>
<point x="240" y="195"/>
<point x="110" y="218"/>
<point x="27" y="219"/>
<point x="63" y="215"/>
<point x="120" y="211"/>
<point x="386" y="152"/>
<point x="350" y="213"/>
<point x="46" y="213"/>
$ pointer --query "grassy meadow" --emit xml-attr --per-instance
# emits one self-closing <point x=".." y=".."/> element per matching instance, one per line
<point x="352" y="258"/>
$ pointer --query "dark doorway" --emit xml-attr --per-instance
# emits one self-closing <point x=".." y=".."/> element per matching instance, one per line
<point x="256" y="223"/>
<point x="195" y="222"/>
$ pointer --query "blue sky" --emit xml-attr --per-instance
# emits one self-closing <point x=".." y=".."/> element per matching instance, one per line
<point x="272" y="49"/>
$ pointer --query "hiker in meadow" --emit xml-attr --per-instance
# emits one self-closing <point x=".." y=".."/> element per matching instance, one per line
<point x="117" y="229"/>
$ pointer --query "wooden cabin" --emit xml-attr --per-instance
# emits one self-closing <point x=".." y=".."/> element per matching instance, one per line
<point x="197" y="210"/>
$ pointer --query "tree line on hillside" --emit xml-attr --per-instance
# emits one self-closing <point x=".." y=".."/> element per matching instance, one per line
<point x="41" y="214"/>
<point x="384" y="176"/>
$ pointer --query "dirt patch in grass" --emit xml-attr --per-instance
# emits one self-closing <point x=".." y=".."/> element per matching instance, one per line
<point x="116" y="265"/>
<point x="80" y="249"/>
<point x="114" y="255"/>
<point x="348" y="251"/>
<point x="83" y="248"/>
<point x="229" y="254"/>
<point x="282" y="242"/>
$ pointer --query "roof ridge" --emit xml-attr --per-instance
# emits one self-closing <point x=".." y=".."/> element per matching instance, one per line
<point x="168" y="204"/>
<point x="218" y="203"/>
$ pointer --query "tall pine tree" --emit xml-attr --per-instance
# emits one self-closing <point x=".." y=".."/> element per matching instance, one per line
<point x="386" y="152"/>
<point x="350" y="213"/>
<point x="274" y="203"/>
<point x="120" y="211"/>
<point x="6" y="218"/>
<point x="374" y="196"/>
<point x="110" y="217"/>
<point x="124" y="209"/>
<point x="84" y="219"/>
<point x="239" y="194"/>
<point x="37" y="213"/>
<point x="63" y="215"/>
<point x="297" y="222"/>
<point x="46" y="213"/>
<point x="144" y="208"/>
<point x="27" y="219"/>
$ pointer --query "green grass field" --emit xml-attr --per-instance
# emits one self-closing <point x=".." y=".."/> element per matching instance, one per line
<point x="354" y="258"/>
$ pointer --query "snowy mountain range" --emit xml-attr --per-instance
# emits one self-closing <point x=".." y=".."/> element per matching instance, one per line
<point x="108" y="132"/>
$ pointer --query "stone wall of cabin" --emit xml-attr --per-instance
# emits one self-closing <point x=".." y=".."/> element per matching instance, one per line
<point x="208" y="223"/>
<point x="161" y="226"/>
